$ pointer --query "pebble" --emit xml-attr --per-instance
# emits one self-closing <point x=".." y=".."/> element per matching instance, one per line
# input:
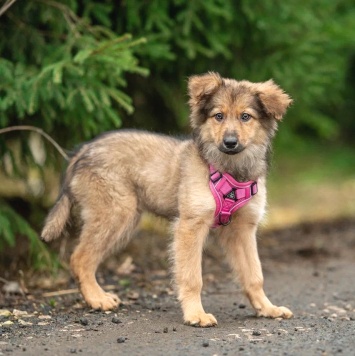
<point x="242" y="306"/>
<point x="44" y="317"/>
<point x="19" y="313"/>
<point x="133" y="295"/>
<point x="174" y="328"/>
<point x="4" y="312"/>
<point x="256" y="333"/>
<point x="120" y="340"/>
<point x="73" y="351"/>
<point x="205" y="343"/>
<point x="166" y="330"/>
<point x="115" y="320"/>
<point x="24" y="323"/>
<point x="84" y="321"/>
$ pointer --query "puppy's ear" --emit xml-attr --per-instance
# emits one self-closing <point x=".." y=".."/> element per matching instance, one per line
<point x="274" y="99"/>
<point x="203" y="85"/>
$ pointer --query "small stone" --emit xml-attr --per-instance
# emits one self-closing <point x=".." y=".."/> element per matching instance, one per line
<point x="4" y="312"/>
<point x="241" y="306"/>
<point x="121" y="340"/>
<point x="19" y="313"/>
<point x="133" y="295"/>
<point x="256" y="333"/>
<point x="72" y="351"/>
<point x="84" y="321"/>
<point x="174" y="328"/>
<point x="44" y="317"/>
<point x="7" y="323"/>
<point x="205" y="343"/>
<point x="115" y="320"/>
<point x="166" y="330"/>
<point x="24" y="323"/>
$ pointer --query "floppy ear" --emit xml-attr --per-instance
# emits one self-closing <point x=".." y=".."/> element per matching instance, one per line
<point x="274" y="99"/>
<point x="203" y="85"/>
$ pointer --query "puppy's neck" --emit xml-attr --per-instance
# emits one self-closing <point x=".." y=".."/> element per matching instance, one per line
<point x="250" y="164"/>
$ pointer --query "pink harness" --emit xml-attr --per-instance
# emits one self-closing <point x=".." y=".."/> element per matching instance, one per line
<point x="229" y="195"/>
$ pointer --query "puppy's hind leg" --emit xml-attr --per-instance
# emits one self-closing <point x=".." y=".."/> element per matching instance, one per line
<point x="100" y="235"/>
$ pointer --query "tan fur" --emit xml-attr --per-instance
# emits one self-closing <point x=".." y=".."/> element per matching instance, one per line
<point x="119" y="174"/>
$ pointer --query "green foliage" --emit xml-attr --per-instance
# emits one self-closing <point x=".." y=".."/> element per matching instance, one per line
<point x="60" y="70"/>
<point x="304" y="45"/>
<point x="13" y="227"/>
<point x="65" y="73"/>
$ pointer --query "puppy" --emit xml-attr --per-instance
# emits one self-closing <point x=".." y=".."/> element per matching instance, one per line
<point x="118" y="175"/>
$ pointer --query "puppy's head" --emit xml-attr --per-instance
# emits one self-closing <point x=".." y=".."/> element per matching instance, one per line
<point x="233" y="116"/>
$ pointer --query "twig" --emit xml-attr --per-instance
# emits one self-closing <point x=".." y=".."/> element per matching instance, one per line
<point x="72" y="291"/>
<point x="38" y="130"/>
<point x="3" y="280"/>
<point x="6" y="6"/>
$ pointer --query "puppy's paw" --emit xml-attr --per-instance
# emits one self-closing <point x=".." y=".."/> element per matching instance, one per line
<point x="275" y="312"/>
<point x="201" y="319"/>
<point x="106" y="301"/>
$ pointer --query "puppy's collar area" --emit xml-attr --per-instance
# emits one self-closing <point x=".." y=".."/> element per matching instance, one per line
<point x="229" y="195"/>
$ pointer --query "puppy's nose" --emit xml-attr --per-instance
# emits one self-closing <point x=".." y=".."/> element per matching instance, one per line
<point x="230" y="142"/>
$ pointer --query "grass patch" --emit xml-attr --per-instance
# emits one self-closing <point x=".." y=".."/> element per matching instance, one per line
<point x="311" y="182"/>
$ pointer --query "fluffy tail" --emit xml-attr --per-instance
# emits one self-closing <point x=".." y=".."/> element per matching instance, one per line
<point x="57" y="219"/>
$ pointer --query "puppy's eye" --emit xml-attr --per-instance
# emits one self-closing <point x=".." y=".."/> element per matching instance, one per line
<point x="245" y="117"/>
<point x="219" y="116"/>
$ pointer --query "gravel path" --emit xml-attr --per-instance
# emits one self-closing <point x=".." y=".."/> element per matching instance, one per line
<point x="310" y="268"/>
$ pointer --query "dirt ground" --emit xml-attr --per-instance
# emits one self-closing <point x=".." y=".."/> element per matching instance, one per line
<point x="309" y="268"/>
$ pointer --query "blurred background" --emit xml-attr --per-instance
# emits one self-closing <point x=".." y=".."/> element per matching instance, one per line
<point x="76" y="68"/>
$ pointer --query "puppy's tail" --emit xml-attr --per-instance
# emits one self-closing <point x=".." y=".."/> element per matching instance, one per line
<point x="57" y="218"/>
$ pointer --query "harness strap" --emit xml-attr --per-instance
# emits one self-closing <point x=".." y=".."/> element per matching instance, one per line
<point x="229" y="195"/>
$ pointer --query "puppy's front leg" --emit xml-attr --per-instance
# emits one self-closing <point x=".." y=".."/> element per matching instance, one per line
<point x="189" y="238"/>
<point x="240" y="245"/>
